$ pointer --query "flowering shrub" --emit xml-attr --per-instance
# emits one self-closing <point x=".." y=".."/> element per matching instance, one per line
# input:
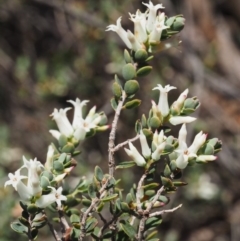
<point x="132" y="214"/>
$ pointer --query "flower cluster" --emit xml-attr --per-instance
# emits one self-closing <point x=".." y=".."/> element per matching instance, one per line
<point x="177" y="113"/>
<point x="31" y="191"/>
<point x="180" y="153"/>
<point x="148" y="28"/>
<point x="80" y="126"/>
<point x="177" y="149"/>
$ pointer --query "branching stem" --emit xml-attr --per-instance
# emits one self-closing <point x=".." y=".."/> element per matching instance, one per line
<point x="90" y="209"/>
<point x="112" y="135"/>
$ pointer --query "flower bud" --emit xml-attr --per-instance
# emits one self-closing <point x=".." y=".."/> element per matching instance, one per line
<point x="131" y="87"/>
<point x="190" y="105"/>
<point x="178" y="24"/>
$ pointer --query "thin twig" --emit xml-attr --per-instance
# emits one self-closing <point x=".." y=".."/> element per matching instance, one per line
<point x="138" y="193"/>
<point x="158" y="213"/>
<point x="116" y="148"/>
<point x="141" y="228"/>
<point x="144" y="213"/>
<point x="53" y="231"/>
<point x="107" y="225"/>
<point x="65" y="226"/>
<point x="150" y="205"/>
<point x="112" y="135"/>
<point x="89" y="210"/>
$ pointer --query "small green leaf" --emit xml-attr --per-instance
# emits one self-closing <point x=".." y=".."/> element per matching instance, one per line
<point x="58" y="166"/>
<point x="124" y="207"/>
<point x="100" y="206"/>
<point x="44" y="182"/>
<point x="114" y="103"/>
<point x="131" y="87"/>
<point x="144" y="71"/>
<point x="128" y="71"/>
<point x="167" y="171"/>
<point x="117" y="90"/>
<point x="32" y="208"/>
<point x="62" y="158"/>
<point x="151" y="235"/>
<point x="141" y="55"/>
<point x="127" y="57"/>
<point x="128" y="229"/>
<point x="153" y="222"/>
<point x="23" y="221"/>
<point x="109" y="198"/>
<point x="179" y="184"/>
<point x="62" y="141"/>
<point x="74" y="218"/>
<point x="69" y="148"/>
<point x="164" y="199"/>
<point x="149" y="58"/>
<point x="132" y="104"/>
<point x="75" y="233"/>
<point x="18" y="227"/>
<point x="23" y="206"/>
<point x="91" y="224"/>
<point x="108" y="234"/>
<point x="124" y="165"/>
<point x="92" y="191"/>
<point x="151" y="186"/>
<point x="34" y="233"/>
<point x="98" y="173"/>
<point x="86" y="202"/>
<point x="48" y="175"/>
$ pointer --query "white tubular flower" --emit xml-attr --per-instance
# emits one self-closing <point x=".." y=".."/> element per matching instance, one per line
<point x="78" y="105"/>
<point x="182" y="97"/>
<point x="152" y="15"/>
<point x="176" y="120"/>
<point x="163" y="99"/>
<point x="80" y="134"/>
<point x="146" y="151"/>
<point x="49" y="159"/>
<point x="182" y="136"/>
<point x="158" y="138"/>
<point x="139" y="29"/>
<point x="54" y="196"/>
<point x="62" y="121"/>
<point x="135" y="155"/>
<point x="198" y="141"/>
<point x="136" y="45"/>
<point x="120" y="31"/>
<point x="34" y="169"/>
<point x="159" y="26"/>
<point x="182" y="161"/>
<point x="55" y="134"/>
<point x="15" y="180"/>
<point x="206" y="158"/>
<point x="157" y="153"/>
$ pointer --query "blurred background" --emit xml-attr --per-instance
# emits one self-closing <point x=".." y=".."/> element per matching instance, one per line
<point x="52" y="51"/>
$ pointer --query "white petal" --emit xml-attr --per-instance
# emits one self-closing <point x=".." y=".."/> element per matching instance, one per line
<point x="146" y="151"/>
<point x="55" y="134"/>
<point x="176" y="120"/>
<point x="121" y="32"/>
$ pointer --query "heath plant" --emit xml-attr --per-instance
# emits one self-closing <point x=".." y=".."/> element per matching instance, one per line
<point x="99" y="208"/>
